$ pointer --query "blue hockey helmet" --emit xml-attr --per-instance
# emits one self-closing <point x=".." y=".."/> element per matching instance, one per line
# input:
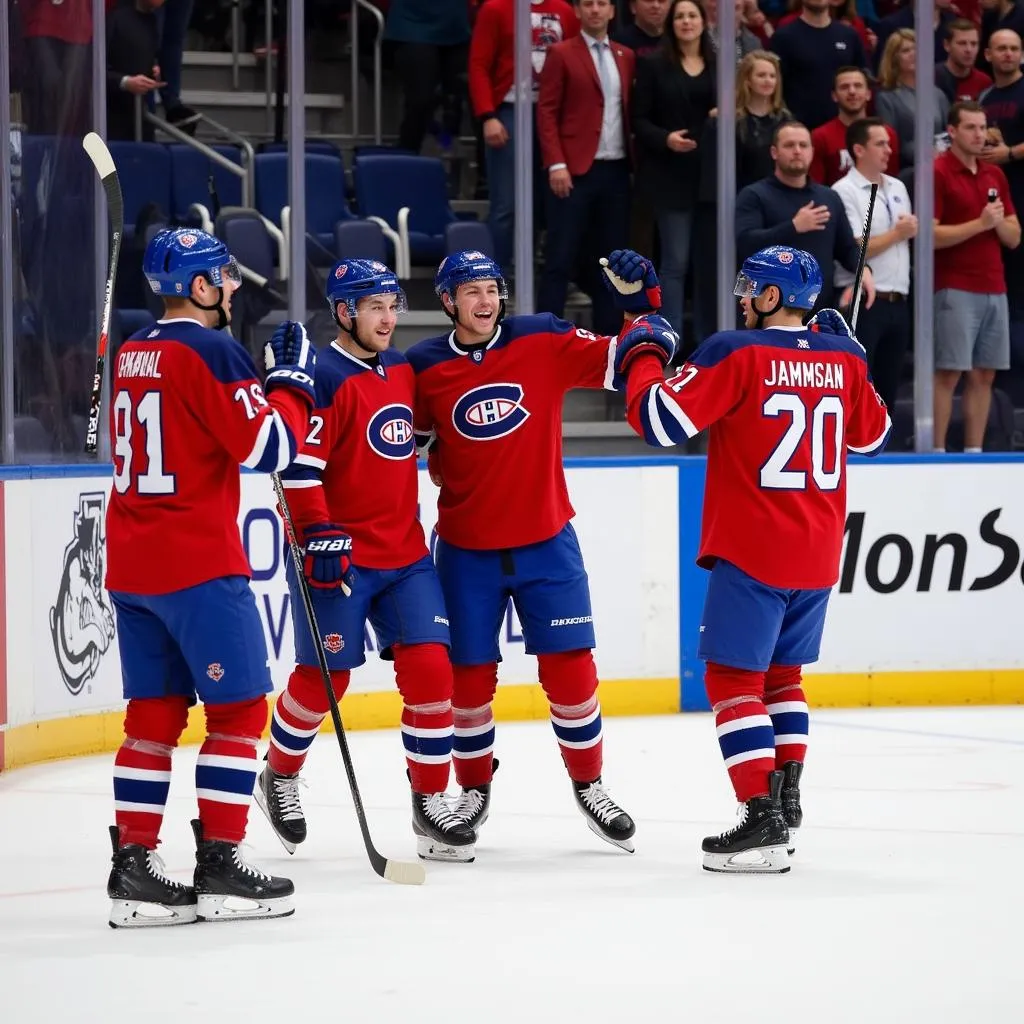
<point x="352" y="280"/>
<point x="465" y="266"/>
<point x="794" y="272"/>
<point x="176" y="256"/>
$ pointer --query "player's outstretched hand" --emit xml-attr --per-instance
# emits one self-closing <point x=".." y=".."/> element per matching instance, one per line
<point x="832" y="321"/>
<point x="651" y="335"/>
<point x="327" y="562"/>
<point x="632" y="280"/>
<point x="291" y="360"/>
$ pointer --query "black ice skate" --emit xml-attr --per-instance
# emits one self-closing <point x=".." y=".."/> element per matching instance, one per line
<point x="278" y="798"/>
<point x="440" y="833"/>
<point x="228" y="889"/>
<point x="604" y="816"/>
<point x="791" y="810"/>
<point x="475" y="803"/>
<point x="141" y="895"/>
<point x="758" y="843"/>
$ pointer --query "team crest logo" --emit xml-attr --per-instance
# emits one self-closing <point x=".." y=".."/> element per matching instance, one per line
<point x="333" y="643"/>
<point x="478" y="356"/>
<point x="785" y="257"/>
<point x="489" y="412"/>
<point x="188" y="240"/>
<point x="341" y="271"/>
<point x="474" y="255"/>
<point x="82" y="620"/>
<point x="390" y="434"/>
<point x="215" y="671"/>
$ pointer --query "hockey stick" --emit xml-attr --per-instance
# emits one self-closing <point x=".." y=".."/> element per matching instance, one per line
<point x="862" y="259"/>
<point x="403" y="872"/>
<point x="98" y="153"/>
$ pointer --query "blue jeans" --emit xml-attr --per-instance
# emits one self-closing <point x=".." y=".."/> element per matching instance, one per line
<point x="501" y="184"/>
<point x="675" y="229"/>
<point x="172" y="22"/>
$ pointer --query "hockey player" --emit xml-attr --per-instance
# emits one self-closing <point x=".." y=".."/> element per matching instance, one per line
<point x="356" y="477"/>
<point x="489" y="400"/>
<point x="187" y="409"/>
<point x="784" y="404"/>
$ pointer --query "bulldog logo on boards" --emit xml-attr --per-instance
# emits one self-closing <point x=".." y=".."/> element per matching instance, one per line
<point x="82" y="620"/>
<point x="389" y="432"/>
<point x="490" y="411"/>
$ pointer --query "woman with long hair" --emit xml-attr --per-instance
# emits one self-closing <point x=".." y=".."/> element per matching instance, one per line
<point x="896" y="100"/>
<point x="672" y="98"/>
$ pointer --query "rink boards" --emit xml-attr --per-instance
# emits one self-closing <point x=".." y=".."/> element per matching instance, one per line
<point x="928" y="609"/>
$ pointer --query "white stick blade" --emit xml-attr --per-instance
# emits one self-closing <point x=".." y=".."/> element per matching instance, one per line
<point x="404" y="872"/>
<point x="98" y="153"/>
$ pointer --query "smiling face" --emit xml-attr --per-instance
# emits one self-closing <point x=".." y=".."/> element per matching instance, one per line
<point x="376" y="317"/>
<point x="477" y="306"/>
<point x="687" y="21"/>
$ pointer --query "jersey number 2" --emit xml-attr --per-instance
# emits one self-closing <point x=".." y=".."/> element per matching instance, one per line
<point x="148" y="414"/>
<point x="826" y="417"/>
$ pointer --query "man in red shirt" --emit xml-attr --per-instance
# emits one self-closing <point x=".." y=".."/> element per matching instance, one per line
<point x="783" y="403"/>
<point x="957" y="76"/>
<point x="974" y="218"/>
<point x="831" y="158"/>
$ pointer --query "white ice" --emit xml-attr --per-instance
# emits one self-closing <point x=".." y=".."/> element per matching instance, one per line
<point x="904" y="902"/>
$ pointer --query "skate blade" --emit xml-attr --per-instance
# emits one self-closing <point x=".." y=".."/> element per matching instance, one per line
<point x="430" y="849"/>
<point x="791" y="849"/>
<point x="622" y="844"/>
<point x="133" y="914"/>
<point x="261" y="802"/>
<point x="238" y="908"/>
<point x="768" y="860"/>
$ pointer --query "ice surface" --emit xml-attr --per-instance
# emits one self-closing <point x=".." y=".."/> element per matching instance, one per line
<point x="904" y="902"/>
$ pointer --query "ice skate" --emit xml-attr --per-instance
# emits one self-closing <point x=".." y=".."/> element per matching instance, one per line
<point x="440" y="833"/>
<point x="791" y="810"/>
<point x="277" y="796"/>
<point x="228" y="889"/>
<point x="474" y="804"/>
<point x="141" y="895"/>
<point x="758" y="844"/>
<point x="604" y="816"/>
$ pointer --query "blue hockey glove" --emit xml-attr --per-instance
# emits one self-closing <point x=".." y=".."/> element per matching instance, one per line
<point x="291" y="360"/>
<point x="632" y="280"/>
<point x="832" y="322"/>
<point x="652" y="335"/>
<point x="327" y="564"/>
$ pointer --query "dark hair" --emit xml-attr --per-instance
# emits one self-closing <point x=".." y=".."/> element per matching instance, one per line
<point x="963" y="107"/>
<point x="670" y="45"/>
<point x="782" y="125"/>
<point x="849" y="69"/>
<point x="960" y="25"/>
<point x="858" y="133"/>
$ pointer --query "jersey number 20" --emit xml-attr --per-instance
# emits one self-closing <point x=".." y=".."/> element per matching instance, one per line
<point x="825" y="418"/>
<point x="147" y="415"/>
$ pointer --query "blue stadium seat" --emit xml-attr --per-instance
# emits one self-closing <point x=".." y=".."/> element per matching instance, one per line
<point x="245" y="234"/>
<point x="468" y="234"/>
<point x="190" y="172"/>
<point x="361" y="239"/>
<point x="145" y="172"/>
<point x="322" y="146"/>
<point x="410" y="194"/>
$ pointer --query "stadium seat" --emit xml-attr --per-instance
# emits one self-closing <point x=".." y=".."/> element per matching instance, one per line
<point x="31" y="438"/>
<point x="468" y="234"/>
<point x="245" y="234"/>
<point x="190" y="173"/>
<point x="145" y="172"/>
<point x="360" y="239"/>
<point x="322" y="146"/>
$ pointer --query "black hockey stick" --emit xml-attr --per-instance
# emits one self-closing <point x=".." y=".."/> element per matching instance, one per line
<point x="403" y="872"/>
<point x="98" y="153"/>
<point x="862" y="259"/>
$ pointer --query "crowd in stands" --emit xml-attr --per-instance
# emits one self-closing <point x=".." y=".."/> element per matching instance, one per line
<point x="625" y="131"/>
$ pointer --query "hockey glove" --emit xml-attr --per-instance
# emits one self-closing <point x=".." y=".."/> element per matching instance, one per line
<point x="652" y="335"/>
<point x="327" y="564"/>
<point x="291" y="360"/>
<point x="632" y="280"/>
<point x="831" y="321"/>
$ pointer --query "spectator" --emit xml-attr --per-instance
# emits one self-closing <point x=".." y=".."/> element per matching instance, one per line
<point x="789" y="209"/>
<point x="172" y="22"/>
<point x="812" y="49"/>
<point x="831" y="159"/>
<point x="674" y="92"/>
<point x="133" y="37"/>
<point x="997" y="14"/>
<point x="583" y="118"/>
<point x="58" y="38"/>
<point x="645" y="34"/>
<point x="957" y="76"/>
<point x="746" y="41"/>
<point x="754" y="19"/>
<point x="896" y="101"/>
<point x="972" y="332"/>
<point x="942" y="15"/>
<point x="432" y="38"/>
<point x="492" y="92"/>
<point x="759" y="111"/>
<point x="844" y="11"/>
<point x="1003" y="104"/>
<point x="886" y="328"/>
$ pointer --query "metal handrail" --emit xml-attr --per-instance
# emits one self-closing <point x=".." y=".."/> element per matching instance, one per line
<point x="378" y="77"/>
<point x="245" y="172"/>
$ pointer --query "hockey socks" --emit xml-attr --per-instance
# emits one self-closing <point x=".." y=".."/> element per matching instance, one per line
<point x="474" y="723"/>
<point x="424" y="676"/>
<point x="570" y="681"/>
<point x="787" y="708"/>
<point x="298" y="715"/>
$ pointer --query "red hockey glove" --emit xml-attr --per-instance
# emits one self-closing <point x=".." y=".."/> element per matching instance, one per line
<point x="632" y="280"/>
<point x="327" y="564"/>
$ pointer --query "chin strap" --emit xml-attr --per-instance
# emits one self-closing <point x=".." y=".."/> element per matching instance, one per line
<point x="222" y="317"/>
<point x="761" y="317"/>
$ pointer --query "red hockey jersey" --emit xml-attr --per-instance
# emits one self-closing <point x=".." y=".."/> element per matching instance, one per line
<point x="186" y="410"/>
<point x="784" y="406"/>
<point x="496" y="414"/>
<point x="357" y="467"/>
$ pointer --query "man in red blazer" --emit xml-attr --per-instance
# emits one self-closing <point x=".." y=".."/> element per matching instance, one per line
<point x="583" y="118"/>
